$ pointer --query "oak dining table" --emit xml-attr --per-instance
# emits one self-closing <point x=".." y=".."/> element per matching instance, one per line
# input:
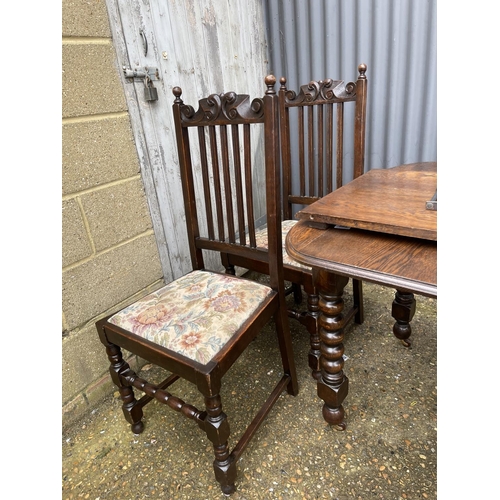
<point x="379" y="228"/>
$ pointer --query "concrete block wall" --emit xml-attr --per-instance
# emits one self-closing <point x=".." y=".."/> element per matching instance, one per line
<point x="109" y="249"/>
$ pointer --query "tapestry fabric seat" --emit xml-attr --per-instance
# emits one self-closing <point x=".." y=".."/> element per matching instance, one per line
<point x="194" y="315"/>
<point x="261" y="240"/>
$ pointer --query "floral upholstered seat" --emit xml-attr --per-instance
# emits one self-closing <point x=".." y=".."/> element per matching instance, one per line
<point x="261" y="240"/>
<point x="194" y="315"/>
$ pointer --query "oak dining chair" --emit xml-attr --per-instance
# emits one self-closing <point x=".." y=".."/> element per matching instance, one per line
<point x="314" y="132"/>
<point x="197" y="326"/>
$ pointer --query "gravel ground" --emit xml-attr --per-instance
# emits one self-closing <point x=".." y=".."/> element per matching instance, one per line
<point x="388" y="451"/>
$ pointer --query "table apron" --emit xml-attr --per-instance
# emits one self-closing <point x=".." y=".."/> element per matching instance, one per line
<point x="388" y="280"/>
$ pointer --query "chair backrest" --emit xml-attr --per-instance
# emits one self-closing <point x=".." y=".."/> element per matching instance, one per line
<point x="217" y="152"/>
<point x="312" y="141"/>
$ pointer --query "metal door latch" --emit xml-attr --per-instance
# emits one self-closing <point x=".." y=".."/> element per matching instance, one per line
<point x="147" y="75"/>
<point x="141" y="73"/>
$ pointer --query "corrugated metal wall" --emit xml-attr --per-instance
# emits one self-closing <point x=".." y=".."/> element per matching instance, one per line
<point x="318" y="39"/>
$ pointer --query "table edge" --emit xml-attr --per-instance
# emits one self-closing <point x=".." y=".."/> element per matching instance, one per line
<point x="379" y="278"/>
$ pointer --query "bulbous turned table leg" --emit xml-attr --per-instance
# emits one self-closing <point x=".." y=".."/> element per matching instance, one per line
<point x="333" y="385"/>
<point x="403" y="310"/>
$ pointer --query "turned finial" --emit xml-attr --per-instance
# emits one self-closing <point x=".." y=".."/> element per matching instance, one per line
<point x="283" y="82"/>
<point x="270" y="81"/>
<point x="362" y="71"/>
<point x="177" y="91"/>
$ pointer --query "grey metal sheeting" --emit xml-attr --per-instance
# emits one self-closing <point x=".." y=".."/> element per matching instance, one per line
<point x="314" y="40"/>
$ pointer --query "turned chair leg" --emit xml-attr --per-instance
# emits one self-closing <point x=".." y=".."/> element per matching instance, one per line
<point x="310" y="319"/>
<point x="217" y="429"/>
<point x="357" y="293"/>
<point x="230" y="269"/>
<point x="131" y="408"/>
<point x="313" y="328"/>
<point x="286" y="350"/>
<point x="297" y="293"/>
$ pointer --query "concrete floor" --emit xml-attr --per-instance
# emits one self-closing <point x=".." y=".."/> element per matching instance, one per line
<point x="389" y="450"/>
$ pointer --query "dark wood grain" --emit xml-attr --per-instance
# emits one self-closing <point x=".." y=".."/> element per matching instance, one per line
<point x="400" y="262"/>
<point x="388" y="200"/>
<point x="386" y="203"/>
<point x="209" y="139"/>
<point x="309" y="129"/>
<point x="407" y="264"/>
<point x="310" y="157"/>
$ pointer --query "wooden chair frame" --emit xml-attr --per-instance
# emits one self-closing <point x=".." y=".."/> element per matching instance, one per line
<point x="225" y="112"/>
<point x="318" y="159"/>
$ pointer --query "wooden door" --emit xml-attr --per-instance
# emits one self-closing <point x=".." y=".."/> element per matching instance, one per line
<point x="202" y="46"/>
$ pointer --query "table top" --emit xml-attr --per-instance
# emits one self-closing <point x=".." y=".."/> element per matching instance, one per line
<point x="391" y="200"/>
<point x="407" y="264"/>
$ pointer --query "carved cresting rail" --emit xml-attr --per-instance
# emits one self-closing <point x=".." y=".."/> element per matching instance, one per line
<point x="228" y="106"/>
<point x="318" y="150"/>
<point x="323" y="91"/>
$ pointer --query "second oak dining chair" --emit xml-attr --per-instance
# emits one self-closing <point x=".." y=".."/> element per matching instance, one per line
<point x="313" y="135"/>
<point x="197" y="326"/>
